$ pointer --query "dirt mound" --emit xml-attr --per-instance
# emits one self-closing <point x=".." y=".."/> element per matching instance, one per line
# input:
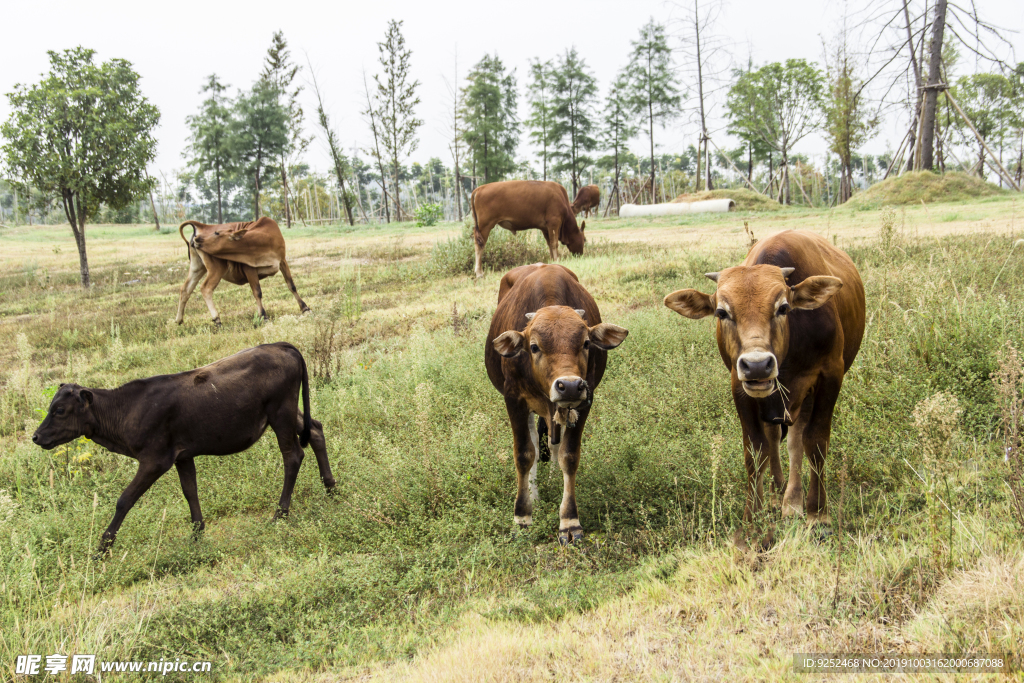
<point x="917" y="186"/>
<point x="746" y="200"/>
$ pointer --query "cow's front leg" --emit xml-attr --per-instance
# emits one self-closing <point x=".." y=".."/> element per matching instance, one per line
<point x="217" y="268"/>
<point x="553" y="244"/>
<point x="189" y="487"/>
<point x="150" y="469"/>
<point x="568" y="453"/>
<point x="793" y="501"/>
<point x="525" y="454"/>
<point x="286" y="273"/>
<point x="257" y="292"/>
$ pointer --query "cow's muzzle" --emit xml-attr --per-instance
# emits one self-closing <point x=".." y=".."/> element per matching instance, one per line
<point x="43" y="443"/>
<point x="568" y="392"/>
<point x="757" y="370"/>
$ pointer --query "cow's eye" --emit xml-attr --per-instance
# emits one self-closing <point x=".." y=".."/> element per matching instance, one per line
<point x="216" y="232"/>
<point x="722" y="314"/>
<point x="534" y="348"/>
<point x="783" y="309"/>
<point x="586" y="344"/>
<point x="59" y="410"/>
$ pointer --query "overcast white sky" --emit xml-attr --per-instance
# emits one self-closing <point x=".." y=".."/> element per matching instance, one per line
<point x="175" y="46"/>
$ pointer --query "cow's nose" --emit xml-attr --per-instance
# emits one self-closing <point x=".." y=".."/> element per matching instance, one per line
<point x="756" y="366"/>
<point x="569" y="389"/>
<point x="35" y="438"/>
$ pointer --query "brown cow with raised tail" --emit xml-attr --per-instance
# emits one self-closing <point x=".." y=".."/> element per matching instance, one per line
<point x="790" y="321"/>
<point x="524" y="205"/>
<point x="241" y="253"/>
<point x="546" y="353"/>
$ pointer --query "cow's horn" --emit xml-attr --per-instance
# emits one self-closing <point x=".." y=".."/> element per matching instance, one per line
<point x="786" y="272"/>
<point x="529" y="316"/>
<point x="711" y="276"/>
<point x="580" y="312"/>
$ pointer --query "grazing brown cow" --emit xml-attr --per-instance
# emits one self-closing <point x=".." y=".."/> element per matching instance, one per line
<point x="239" y="253"/>
<point x="543" y="355"/>
<point x="790" y="323"/>
<point x="524" y="205"/>
<point x="168" y="420"/>
<point x="589" y="197"/>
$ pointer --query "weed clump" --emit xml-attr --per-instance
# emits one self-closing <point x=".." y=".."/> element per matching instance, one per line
<point x="1009" y="386"/>
<point x="504" y="250"/>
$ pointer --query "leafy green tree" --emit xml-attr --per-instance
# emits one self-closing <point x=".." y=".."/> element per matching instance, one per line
<point x="491" y="129"/>
<point x="396" y="104"/>
<point x="260" y="135"/>
<point x="848" y="123"/>
<point x="279" y="70"/>
<point x="210" y="147"/>
<point x="742" y="108"/>
<point x="341" y="164"/>
<point x="618" y="127"/>
<point x="780" y="104"/>
<point x="987" y="99"/>
<point x="653" y="83"/>
<point x="539" y="95"/>
<point x="572" y="117"/>
<point x="82" y="135"/>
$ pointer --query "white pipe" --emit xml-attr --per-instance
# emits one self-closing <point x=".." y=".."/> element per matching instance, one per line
<point x="670" y="209"/>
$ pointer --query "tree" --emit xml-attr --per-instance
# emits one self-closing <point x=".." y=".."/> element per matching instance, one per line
<point x="455" y="125"/>
<point x="210" y="147"/>
<point x="280" y="72"/>
<point x="847" y="121"/>
<point x="373" y="115"/>
<point x="341" y="166"/>
<point x="539" y="122"/>
<point x="82" y="135"/>
<point x="491" y="129"/>
<point x="396" y="102"/>
<point x="261" y="134"/>
<point x="655" y="91"/>
<point x="742" y="107"/>
<point x="572" y="118"/>
<point x="618" y="128"/>
<point x="779" y="103"/>
<point x="987" y="99"/>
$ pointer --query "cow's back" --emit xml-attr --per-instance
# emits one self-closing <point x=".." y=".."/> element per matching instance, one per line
<point x="527" y="289"/>
<point x="810" y="254"/>
<point x="528" y="203"/>
<point x="262" y="245"/>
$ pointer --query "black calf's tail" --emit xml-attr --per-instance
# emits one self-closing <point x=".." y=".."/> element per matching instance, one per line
<point x="307" y="420"/>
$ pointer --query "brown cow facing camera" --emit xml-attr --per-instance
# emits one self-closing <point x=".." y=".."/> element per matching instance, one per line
<point x="790" y="321"/>
<point x="167" y="420"/>
<point x="546" y="353"/>
<point x="241" y="253"/>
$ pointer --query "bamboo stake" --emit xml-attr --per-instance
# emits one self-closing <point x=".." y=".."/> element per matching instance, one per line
<point x="992" y="157"/>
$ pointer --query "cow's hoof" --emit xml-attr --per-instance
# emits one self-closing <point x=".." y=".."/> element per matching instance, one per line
<point x="570" y="536"/>
<point x="821" y="532"/>
<point x="280" y="514"/>
<point x="330" y="487"/>
<point x="307" y="309"/>
<point x="197" y="530"/>
<point x="216" y="322"/>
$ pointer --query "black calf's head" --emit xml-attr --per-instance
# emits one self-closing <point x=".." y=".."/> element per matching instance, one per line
<point x="70" y="416"/>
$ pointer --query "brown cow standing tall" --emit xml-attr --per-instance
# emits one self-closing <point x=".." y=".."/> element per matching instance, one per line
<point x="792" y="316"/>
<point x="589" y="197"/>
<point x="239" y="253"/>
<point x="524" y="205"/>
<point x="546" y="358"/>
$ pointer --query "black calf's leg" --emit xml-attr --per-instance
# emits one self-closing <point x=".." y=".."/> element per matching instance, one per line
<point x="319" y="444"/>
<point x="293" y="454"/>
<point x="149" y="471"/>
<point x="187" y="475"/>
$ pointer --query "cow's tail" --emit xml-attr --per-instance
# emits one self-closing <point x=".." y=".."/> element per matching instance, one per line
<point x="188" y="245"/>
<point x="307" y="419"/>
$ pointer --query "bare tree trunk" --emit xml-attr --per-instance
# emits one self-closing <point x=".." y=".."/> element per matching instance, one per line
<point x="785" y="176"/>
<point x="931" y="94"/>
<point x="220" y="210"/>
<point x="284" y="186"/>
<point x="76" y="217"/>
<point x="156" y="219"/>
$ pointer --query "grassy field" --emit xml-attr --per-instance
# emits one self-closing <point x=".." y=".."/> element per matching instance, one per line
<point x="412" y="570"/>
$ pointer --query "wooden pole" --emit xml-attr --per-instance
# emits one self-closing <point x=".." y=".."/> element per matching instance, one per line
<point x="1001" y="170"/>
<point x="734" y="167"/>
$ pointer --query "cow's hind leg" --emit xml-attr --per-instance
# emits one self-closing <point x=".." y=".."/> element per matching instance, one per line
<point x="480" y="235"/>
<point x="816" y="442"/>
<point x="150" y="469"/>
<point x="196" y="271"/>
<point x="288" y="441"/>
<point x="257" y="292"/>
<point x="319" y="444"/>
<point x="286" y="273"/>
<point x="187" y="475"/>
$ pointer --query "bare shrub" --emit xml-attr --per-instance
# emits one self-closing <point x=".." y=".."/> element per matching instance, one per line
<point x="1009" y="386"/>
<point x="936" y="419"/>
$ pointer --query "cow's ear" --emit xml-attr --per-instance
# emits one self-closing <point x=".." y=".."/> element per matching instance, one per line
<point x="239" y="234"/>
<point x="85" y="397"/>
<point x="814" y="291"/>
<point x="509" y="344"/>
<point x="690" y="303"/>
<point x="607" y="336"/>
<point x="583" y="226"/>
